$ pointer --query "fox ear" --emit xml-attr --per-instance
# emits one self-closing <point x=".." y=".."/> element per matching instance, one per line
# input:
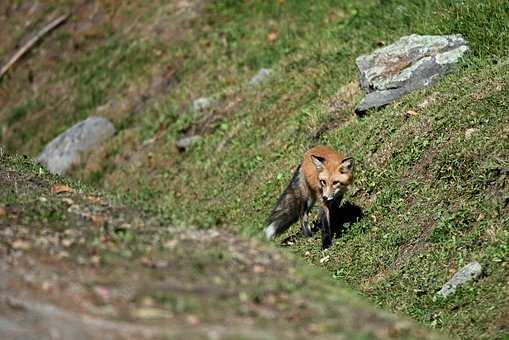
<point x="346" y="165"/>
<point x="318" y="161"/>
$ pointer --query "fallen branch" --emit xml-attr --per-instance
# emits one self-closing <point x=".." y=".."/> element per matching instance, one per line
<point x="30" y="43"/>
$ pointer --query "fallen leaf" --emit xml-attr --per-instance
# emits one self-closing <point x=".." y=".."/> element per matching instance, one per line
<point x="192" y="319"/>
<point x="148" y="301"/>
<point x="61" y="188"/>
<point x="410" y="113"/>
<point x="97" y="220"/>
<point x="102" y="292"/>
<point x="21" y="245"/>
<point x="271" y="36"/>
<point x="147" y="261"/>
<point x="258" y="269"/>
<point x="95" y="260"/>
<point x="3" y="211"/>
<point x="46" y="285"/>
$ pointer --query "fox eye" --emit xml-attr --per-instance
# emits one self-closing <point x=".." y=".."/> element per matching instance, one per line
<point x="322" y="182"/>
<point x="335" y="183"/>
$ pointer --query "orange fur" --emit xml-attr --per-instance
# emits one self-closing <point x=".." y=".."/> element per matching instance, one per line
<point x="331" y="170"/>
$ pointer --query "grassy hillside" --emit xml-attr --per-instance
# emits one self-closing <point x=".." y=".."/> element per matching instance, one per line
<point x="96" y="267"/>
<point x="432" y="197"/>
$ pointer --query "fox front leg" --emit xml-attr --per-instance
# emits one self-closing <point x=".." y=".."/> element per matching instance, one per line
<point x="304" y="219"/>
<point x="304" y="224"/>
<point x="325" y="228"/>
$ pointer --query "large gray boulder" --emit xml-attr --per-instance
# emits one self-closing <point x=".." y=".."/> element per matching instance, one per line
<point x="469" y="272"/>
<point x="66" y="149"/>
<point x="410" y="64"/>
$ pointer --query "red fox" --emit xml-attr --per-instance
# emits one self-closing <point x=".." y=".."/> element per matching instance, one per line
<point x="324" y="176"/>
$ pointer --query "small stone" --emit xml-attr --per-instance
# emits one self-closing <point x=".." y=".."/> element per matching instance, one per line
<point x="63" y="255"/>
<point x="307" y="253"/>
<point x="325" y="259"/>
<point x="67" y="242"/>
<point x="202" y="103"/>
<point x="469" y="272"/>
<point x="259" y="77"/>
<point x="68" y="201"/>
<point x="469" y="133"/>
<point x="184" y="143"/>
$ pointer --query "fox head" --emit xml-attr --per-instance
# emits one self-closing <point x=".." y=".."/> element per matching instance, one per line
<point x="333" y="178"/>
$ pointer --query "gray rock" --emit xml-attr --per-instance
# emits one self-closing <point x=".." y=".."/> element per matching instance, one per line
<point x="469" y="133"/>
<point x="66" y="149"/>
<point x="411" y="63"/>
<point x="469" y="272"/>
<point x="259" y="77"/>
<point x="202" y="103"/>
<point x="184" y="143"/>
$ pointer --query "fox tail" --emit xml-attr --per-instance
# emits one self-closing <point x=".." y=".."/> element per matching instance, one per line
<point x="288" y="208"/>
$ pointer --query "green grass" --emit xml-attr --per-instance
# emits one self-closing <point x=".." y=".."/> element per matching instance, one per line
<point x="432" y="200"/>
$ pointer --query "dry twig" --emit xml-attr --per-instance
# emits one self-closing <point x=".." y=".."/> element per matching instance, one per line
<point x="30" y="43"/>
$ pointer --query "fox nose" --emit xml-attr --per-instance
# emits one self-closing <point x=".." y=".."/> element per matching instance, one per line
<point x="327" y="198"/>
